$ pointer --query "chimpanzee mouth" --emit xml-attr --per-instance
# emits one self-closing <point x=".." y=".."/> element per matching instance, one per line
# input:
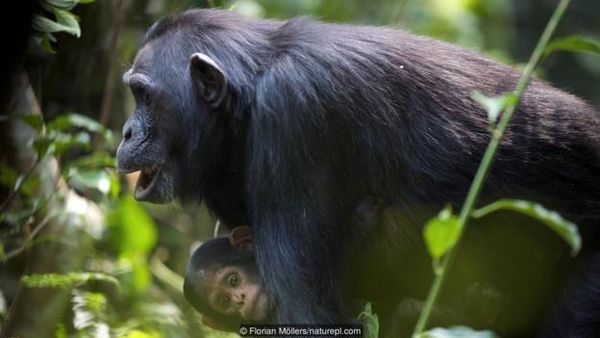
<point x="146" y="182"/>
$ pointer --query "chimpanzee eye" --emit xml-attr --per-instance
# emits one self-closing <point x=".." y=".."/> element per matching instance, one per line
<point x="141" y="93"/>
<point x="234" y="280"/>
<point x="146" y="98"/>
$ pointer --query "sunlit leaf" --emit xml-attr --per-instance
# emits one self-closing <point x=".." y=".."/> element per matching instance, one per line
<point x="68" y="19"/>
<point x="97" y="179"/>
<point x="45" y="25"/>
<point x="62" y="4"/>
<point x="115" y="185"/>
<point x="441" y="233"/>
<point x="456" y="332"/>
<point x="371" y="321"/>
<point x="573" y="43"/>
<point x="133" y="229"/>
<point x="61" y="281"/>
<point x="140" y="334"/>
<point x="566" y="229"/>
<point x="133" y="234"/>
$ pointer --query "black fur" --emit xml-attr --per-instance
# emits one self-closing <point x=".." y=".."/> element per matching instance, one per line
<point x="321" y="116"/>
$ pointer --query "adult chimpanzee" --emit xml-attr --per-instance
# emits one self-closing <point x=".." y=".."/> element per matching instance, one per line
<point x="289" y="126"/>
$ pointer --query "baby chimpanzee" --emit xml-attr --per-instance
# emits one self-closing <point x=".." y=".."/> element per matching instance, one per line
<point x="222" y="282"/>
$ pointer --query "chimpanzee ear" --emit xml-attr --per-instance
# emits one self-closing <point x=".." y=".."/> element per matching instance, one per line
<point x="211" y="80"/>
<point x="216" y="324"/>
<point x="241" y="237"/>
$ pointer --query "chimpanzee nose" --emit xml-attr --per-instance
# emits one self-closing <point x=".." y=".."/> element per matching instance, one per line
<point x="130" y="129"/>
<point x="127" y="134"/>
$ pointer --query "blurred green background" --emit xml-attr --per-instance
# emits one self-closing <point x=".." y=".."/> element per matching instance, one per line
<point x="117" y="264"/>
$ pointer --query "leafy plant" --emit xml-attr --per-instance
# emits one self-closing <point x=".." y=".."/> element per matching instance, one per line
<point x="56" y="18"/>
<point x="444" y="231"/>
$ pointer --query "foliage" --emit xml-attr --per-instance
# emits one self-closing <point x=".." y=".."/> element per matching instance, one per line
<point x="123" y="243"/>
<point x="443" y="241"/>
<point x="52" y="280"/>
<point x="441" y="233"/>
<point x="64" y="21"/>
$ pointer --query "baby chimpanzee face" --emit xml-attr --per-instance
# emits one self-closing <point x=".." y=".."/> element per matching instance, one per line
<point x="235" y="292"/>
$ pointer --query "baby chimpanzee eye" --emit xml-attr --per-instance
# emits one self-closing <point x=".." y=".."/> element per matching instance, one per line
<point x="234" y="280"/>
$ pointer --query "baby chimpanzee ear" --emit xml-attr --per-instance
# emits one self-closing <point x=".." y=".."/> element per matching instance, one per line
<point x="241" y="237"/>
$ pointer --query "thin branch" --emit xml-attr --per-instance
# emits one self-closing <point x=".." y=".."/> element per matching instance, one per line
<point x="27" y="243"/>
<point x="18" y="186"/>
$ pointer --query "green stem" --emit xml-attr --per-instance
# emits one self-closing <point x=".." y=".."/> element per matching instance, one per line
<point x="488" y="159"/>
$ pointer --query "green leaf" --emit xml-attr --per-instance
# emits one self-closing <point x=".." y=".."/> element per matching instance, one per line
<point x="115" y="185"/>
<point x="69" y="121"/>
<point x="45" y="25"/>
<point x="68" y="19"/>
<point x="493" y="106"/>
<point x="133" y="230"/>
<point x="441" y="233"/>
<point x="371" y="321"/>
<point x="46" y="43"/>
<point x="95" y="161"/>
<point x="91" y="179"/>
<point x="456" y="332"/>
<point x="564" y="228"/>
<point x="33" y="120"/>
<point x="573" y="43"/>
<point x="86" y="1"/>
<point x="53" y="280"/>
<point x="43" y="146"/>
<point x="8" y="176"/>
<point x="63" y="142"/>
<point x="15" y="218"/>
<point x="133" y="233"/>
<point x="62" y="4"/>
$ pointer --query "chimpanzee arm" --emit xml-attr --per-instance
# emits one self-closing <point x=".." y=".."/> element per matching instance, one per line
<point x="295" y="199"/>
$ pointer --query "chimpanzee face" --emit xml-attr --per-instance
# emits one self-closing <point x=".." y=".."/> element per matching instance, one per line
<point x="171" y="127"/>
